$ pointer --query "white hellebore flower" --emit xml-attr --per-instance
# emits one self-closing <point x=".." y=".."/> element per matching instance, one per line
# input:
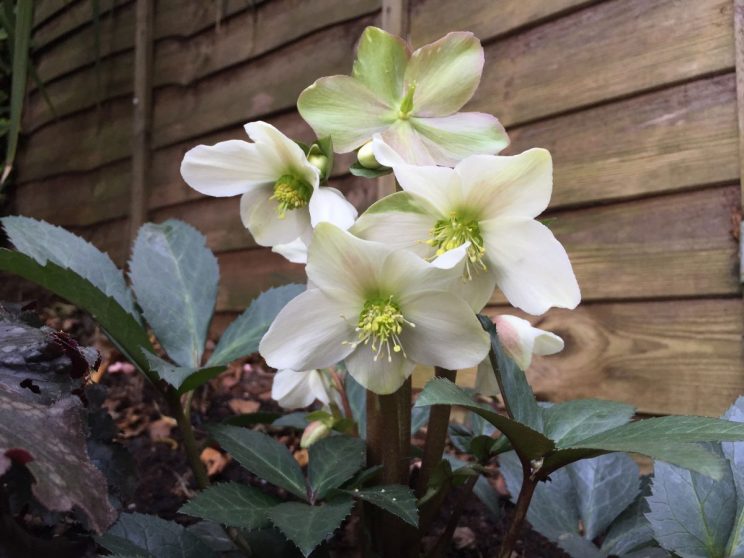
<point x="520" y="341"/>
<point x="281" y="197"/>
<point x="411" y="99"/>
<point x="380" y="310"/>
<point x="491" y="202"/>
<point x="296" y="390"/>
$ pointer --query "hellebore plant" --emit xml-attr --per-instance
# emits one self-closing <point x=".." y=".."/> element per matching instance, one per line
<point x="399" y="287"/>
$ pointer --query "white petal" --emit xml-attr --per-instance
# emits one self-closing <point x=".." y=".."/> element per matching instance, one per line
<point x="338" y="259"/>
<point x="385" y="155"/>
<point x="439" y="186"/>
<point x="406" y="274"/>
<point x="478" y="290"/>
<point x="260" y="216"/>
<point x="520" y="339"/>
<point x="328" y="205"/>
<point x="295" y="390"/>
<point x="515" y="186"/>
<point x="447" y="333"/>
<point x="406" y="142"/>
<point x="450" y="259"/>
<point x="450" y="139"/>
<point x="485" y="379"/>
<point x="532" y="268"/>
<point x="310" y="332"/>
<point x="228" y="168"/>
<point x="289" y="155"/>
<point x="380" y="376"/>
<point x="295" y="251"/>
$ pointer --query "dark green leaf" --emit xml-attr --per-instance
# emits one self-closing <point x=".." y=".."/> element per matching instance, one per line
<point x="242" y="336"/>
<point x="308" y="526"/>
<point x="44" y="242"/>
<point x="486" y="493"/>
<point x="137" y="534"/>
<point x="263" y="456"/>
<point x="419" y="418"/>
<point x="252" y="419"/>
<point x="518" y="397"/>
<point x="357" y="397"/>
<point x="630" y="531"/>
<point x="358" y="170"/>
<point x="566" y="423"/>
<point x="440" y="391"/>
<point x="297" y="420"/>
<point x="396" y="499"/>
<point x="231" y="504"/>
<point x="578" y="547"/>
<point x="175" y="277"/>
<point x="183" y="378"/>
<point x="128" y="336"/>
<point x="333" y="461"/>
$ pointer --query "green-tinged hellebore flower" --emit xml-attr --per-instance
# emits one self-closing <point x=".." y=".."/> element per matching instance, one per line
<point x="281" y="196"/>
<point x="381" y="310"/>
<point x="491" y="202"/>
<point x="411" y="99"/>
<point x="521" y="341"/>
<point x="298" y="389"/>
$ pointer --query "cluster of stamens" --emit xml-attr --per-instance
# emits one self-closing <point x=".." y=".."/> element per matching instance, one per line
<point x="380" y="325"/>
<point x="455" y="231"/>
<point x="290" y="193"/>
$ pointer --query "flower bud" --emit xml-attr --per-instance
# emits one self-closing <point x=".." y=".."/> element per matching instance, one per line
<point x="366" y="157"/>
<point x="315" y="431"/>
<point x="320" y="162"/>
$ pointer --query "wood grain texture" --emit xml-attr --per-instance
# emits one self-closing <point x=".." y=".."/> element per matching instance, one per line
<point x="673" y="139"/>
<point x="182" y="60"/>
<point x="611" y="50"/>
<point x="431" y="19"/>
<point x="669" y="246"/>
<point x="739" y="35"/>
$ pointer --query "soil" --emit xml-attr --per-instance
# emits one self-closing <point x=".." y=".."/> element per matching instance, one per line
<point x="165" y="481"/>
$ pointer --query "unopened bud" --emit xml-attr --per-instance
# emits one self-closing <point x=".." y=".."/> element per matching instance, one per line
<point x="366" y="157"/>
<point x="320" y="162"/>
<point x="315" y="431"/>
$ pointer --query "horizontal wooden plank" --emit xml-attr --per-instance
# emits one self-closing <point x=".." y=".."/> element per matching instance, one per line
<point x="267" y="85"/>
<point x="673" y="139"/>
<point x="610" y="50"/>
<point x="431" y="19"/>
<point x="180" y="61"/>
<point x="669" y="246"/>
<point x="45" y="10"/>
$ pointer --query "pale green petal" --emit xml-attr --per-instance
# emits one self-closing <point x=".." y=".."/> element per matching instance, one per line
<point x="446" y="73"/>
<point x="345" y="109"/>
<point x="439" y="186"/>
<point x="274" y="145"/>
<point x="449" y="139"/>
<point x="261" y="218"/>
<point x="380" y="376"/>
<point x="407" y="274"/>
<point x="514" y="186"/>
<point x="485" y="379"/>
<point x="447" y="333"/>
<point x="381" y="63"/>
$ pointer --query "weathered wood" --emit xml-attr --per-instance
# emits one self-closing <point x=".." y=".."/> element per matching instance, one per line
<point x="739" y="38"/>
<point x="181" y="61"/>
<point x="431" y="19"/>
<point x="670" y="246"/>
<point x="674" y="139"/>
<point x="266" y="85"/>
<point x="615" y="49"/>
<point x="45" y="10"/>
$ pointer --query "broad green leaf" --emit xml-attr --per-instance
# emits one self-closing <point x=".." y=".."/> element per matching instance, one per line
<point x="175" y="277"/>
<point x="572" y="421"/>
<point x="440" y="391"/>
<point x="604" y="487"/>
<point x="183" y="378"/>
<point x="359" y="170"/>
<point x="396" y="499"/>
<point x="691" y="514"/>
<point x="136" y="534"/>
<point x="734" y="452"/>
<point x="308" y="526"/>
<point x="231" y="504"/>
<point x="518" y="397"/>
<point x="242" y="336"/>
<point x="419" y="418"/>
<point x="296" y="420"/>
<point x="578" y="547"/>
<point x="44" y="242"/>
<point x="263" y="456"/>
<point x="357" y="396"/>
<point x="123" y="330"/>
<point x="333" y="461"/>
<point x="631" y="530"/>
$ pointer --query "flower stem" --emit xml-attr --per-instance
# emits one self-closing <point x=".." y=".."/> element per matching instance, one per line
<point x="520" y="513"/>
<point x="338" y="383"/>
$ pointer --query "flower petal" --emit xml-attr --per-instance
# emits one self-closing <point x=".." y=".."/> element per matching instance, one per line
<point x="297" y="389"/>
<point x="346" y="110"/>
<point x="407" y="143"/>
<point x="330" y="206"/>
<point x="285" y="152"/>
<point x="478" y="290"/>
<point x="380" y="376"/>
<point x="381" y="63"/>
<point x="337" y="258"/>
<point x="485" y="379"/>
<point x="447" y="333"/>
<point x="520" y="339"/>
<point x="260" y="216"/>
<point x="449" y="139"/>
<point x="439" y="186"/>
<point x="446" y="73"/>
<point x="309" y="332"/>
<point x="384" y="154"/>
<point x="295" y="251"/>
<point x="515" y="186"/>
<point x="406" y="274"/>
<point x="227" y="168"/>
<point x="532" y="268"/>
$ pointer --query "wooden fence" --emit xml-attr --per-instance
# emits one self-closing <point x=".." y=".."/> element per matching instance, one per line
<point x="636" y="100"/>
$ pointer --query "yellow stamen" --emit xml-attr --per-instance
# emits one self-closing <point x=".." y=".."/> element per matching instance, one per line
<point x="455" y="231"/>
<point x="380" y="325"/>
<point x="291" y="193"/>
